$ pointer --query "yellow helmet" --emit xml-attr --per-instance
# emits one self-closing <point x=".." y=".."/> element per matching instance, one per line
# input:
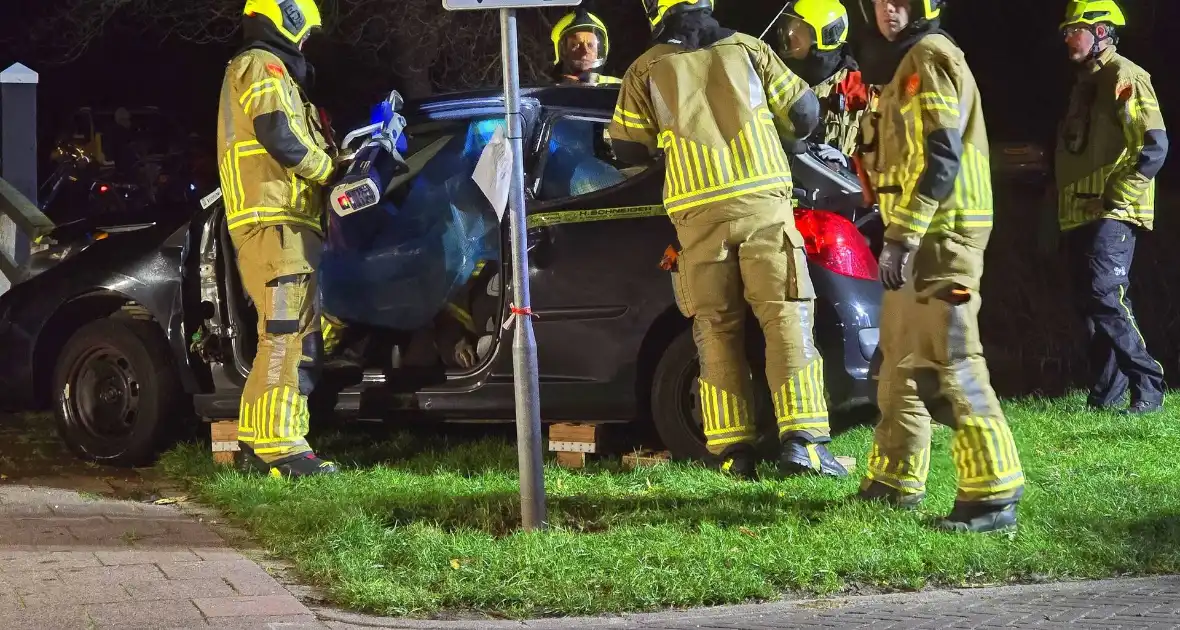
<point x="827" y="21"/>
<point x="578" y="21"/>
<point x="930" y="8"/>
<point x="658" y="9"/>
<point x="293" y="18"/>
<point x="1093" y="12"/>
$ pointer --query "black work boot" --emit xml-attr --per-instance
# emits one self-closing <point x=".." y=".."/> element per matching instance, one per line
<point x="979" y="519"/>
<point x="876" y="491"/>
<point x="301" y="465"/>
<point x="739" y="461"/>
<point x="246" y="462"/>
<point x="1142" y="407"/>
<point x="800" y="457"/>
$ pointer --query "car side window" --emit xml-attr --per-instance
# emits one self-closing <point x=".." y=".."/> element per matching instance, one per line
<point x="579" y="160"/>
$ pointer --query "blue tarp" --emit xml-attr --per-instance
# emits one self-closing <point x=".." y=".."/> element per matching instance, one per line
<point x="395" y="267"/>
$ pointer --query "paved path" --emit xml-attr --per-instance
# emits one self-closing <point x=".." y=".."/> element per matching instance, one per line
<point x="71" y="561"/>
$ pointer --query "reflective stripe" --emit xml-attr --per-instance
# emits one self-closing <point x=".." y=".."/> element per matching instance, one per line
<point x="800" y="404"/>
<point x="726" y="417"/>
<point x="251" y="216"/>
<point x="276" y="423"/>
<point x="697" y="174"/>
<point x="462" y="316"/>
<point x="631" y="119"/>
<point x="781" y="86"/>
<point x="904" y="474"/>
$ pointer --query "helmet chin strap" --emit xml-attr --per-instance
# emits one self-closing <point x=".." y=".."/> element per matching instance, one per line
<point x="598" y="63"/>
<point x="1096" y="48"/>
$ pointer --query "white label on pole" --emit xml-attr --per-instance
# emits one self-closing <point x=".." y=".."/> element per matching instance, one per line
<point x="493" y="172"/>
<point x="469" y="5"/>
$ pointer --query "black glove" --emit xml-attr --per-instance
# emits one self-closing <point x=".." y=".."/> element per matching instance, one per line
<point x="894" y="258"/>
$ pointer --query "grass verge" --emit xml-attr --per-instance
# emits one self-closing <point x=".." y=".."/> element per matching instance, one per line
<point x="416" y="529"/>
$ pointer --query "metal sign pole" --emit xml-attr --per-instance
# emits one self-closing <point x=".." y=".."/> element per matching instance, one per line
<point x="524" y="346"/>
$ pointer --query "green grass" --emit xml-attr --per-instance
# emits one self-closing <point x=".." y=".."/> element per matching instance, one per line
<point x="417" y="529"/>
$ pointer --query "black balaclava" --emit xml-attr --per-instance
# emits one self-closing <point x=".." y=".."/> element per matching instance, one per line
<point x="692" y="30"/>
<point x="818" y="66"/>
<point x="260" y="33"/>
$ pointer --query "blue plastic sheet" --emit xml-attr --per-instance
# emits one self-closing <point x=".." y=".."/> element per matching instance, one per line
<point x="572" y="168"/>
<point x="395" y="267"/>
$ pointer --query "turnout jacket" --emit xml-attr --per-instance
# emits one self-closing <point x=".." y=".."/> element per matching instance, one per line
<point x="273" y="148"/>
<point x="1111" y="145"/>
<point x="718" y="113"/>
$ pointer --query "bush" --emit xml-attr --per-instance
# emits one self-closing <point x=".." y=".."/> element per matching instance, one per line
<point x="1033" y="336"/>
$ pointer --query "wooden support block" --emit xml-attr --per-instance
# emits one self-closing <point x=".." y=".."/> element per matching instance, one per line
<point x="566" y="459"/>
<point x="574" y="438"/>
<point x="640" y="459"/>
<point x="849" y="463"/>
<point x="224" y="438"/>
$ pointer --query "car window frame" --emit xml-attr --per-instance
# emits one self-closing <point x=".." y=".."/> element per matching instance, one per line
<point x="540" y="157"/>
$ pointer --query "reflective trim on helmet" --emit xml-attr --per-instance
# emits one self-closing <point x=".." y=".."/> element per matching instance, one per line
<point x="294" y="19"/>
<point x="1093" y="12"/>
<point x="580" y="21"/>
<point x="658" y="9"/>
<point x="828" y="20"/>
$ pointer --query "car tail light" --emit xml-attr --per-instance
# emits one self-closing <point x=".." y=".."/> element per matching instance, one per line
<point x="835" y="244"/>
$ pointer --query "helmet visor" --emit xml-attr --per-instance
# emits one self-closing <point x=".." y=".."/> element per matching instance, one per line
<point x="798" y="38"/>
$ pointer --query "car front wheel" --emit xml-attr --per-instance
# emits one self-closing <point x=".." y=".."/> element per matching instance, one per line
<point x="116" y="392"/>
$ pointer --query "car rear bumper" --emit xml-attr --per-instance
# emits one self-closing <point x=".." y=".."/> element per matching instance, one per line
<point x="848" y="312"/>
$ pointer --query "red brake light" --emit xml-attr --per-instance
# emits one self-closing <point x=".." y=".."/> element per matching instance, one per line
<point x="834" y="243"/>
<point x="103" y="188"/>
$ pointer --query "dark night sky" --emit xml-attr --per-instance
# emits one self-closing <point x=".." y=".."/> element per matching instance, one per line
<point x="1012" y="45"/>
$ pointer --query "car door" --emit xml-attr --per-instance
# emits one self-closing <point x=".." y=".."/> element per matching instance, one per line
<point x="597" y="232"/>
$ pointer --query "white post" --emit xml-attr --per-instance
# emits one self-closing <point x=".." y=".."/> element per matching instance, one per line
<point x="18" y="137"/>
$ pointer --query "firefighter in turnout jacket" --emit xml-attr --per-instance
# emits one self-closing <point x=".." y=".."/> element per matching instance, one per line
<point x="932" y="178"/>
<point x="1110" y="148"/>
<point x="580" y="47"/>
<point x="274" y="163"/>
<point x="813" y="38"/>
<point x="716" y="103"/>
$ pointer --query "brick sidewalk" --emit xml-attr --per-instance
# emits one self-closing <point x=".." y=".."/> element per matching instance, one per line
<point x="68" y="562"/>
<point x="1130" y="604"/>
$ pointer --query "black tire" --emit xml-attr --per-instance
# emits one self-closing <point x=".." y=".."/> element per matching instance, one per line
<point x="675" y="402"/>
<point x="116" y="392"/>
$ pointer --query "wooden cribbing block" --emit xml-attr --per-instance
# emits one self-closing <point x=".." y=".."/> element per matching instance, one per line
<point x="574" y="438"/>
<point x="849" y="463"/>
<point x="640" y="459"/>
<point x="224" y="436"/>
<point x="566" y="459"/>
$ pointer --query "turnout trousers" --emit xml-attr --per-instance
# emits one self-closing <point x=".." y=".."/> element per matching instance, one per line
<point x="1100" y="255"/>
<point x="751" y="256"/>
<point x="277" y="264"/>
<point x="933" y="369"/>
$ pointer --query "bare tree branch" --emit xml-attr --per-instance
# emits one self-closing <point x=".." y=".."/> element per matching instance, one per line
<point x="413" y="41"/>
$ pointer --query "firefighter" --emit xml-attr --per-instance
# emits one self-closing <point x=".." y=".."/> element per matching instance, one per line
<point x="813" y="37"/>
<point x="932" y="178"/>
<point x="580" y="46"/>
<point x="716" y="103"/>
<point x="1110" y="148"/>
<point x="274" y="163"/>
